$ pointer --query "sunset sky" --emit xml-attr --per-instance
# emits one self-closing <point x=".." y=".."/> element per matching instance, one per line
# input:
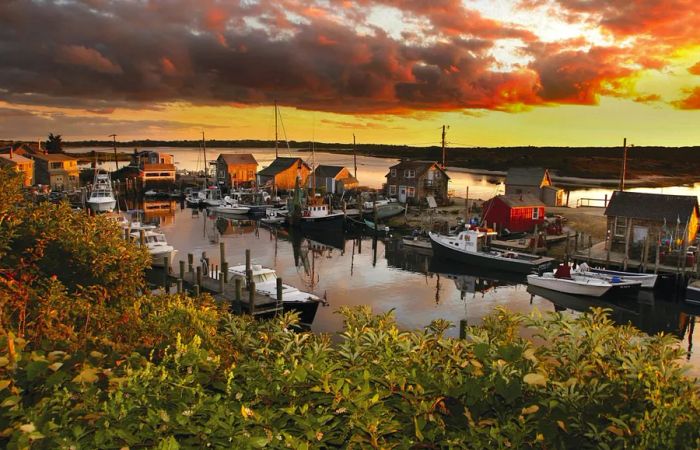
<point x="497" y="72"/>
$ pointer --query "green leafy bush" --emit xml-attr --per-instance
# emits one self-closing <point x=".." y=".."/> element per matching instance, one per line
<point x="94" y="361"/>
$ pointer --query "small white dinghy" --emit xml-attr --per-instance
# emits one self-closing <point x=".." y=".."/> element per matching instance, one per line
<point x="577" y="285"/>
<point x="648" y="280"/>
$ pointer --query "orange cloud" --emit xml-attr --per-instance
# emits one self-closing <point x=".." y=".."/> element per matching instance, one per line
<point x="87" y="57"/>
<point x="692" y="101"/>
<point x="695" y="69"/>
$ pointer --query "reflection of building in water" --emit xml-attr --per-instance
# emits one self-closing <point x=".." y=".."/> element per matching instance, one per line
<point x="405" y="258"/>
<point x="232" y="227"/>
<point x="163" y="211"/>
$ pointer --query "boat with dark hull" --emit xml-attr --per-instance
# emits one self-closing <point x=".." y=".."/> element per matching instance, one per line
<point x="470" y="247"/>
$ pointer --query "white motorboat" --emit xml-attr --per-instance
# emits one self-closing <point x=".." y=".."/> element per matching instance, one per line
<point x="385" y="208"/>
<point x="579" y="284"/>
<point x="101" y="197"/>
<point x="648" y="280"/>
<point x="275" y="216"/>
<point x="157" y="246"/>
<point x="212" y="197"/>
<point x="265" y="280"/>
<point x="230" y="208"/>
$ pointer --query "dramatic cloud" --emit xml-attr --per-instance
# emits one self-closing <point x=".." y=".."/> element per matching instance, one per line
<point x="365" y="57"/>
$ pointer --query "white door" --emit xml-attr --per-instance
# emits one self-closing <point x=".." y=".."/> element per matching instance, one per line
<point x="402" y="194"/>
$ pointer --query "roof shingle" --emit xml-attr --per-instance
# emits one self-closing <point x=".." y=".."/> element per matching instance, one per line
<point x="658" y="207"/>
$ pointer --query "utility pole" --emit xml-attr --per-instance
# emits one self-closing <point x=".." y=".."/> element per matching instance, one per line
<point x="276" y="146"/>
<point x="624" y="164"/>
<point x="354" y="154"/>
<point x="206" y="168"/>
<point x="114" y="146"/>
<point x="443" y="147"/>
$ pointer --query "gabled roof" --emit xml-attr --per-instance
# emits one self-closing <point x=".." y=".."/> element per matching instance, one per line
<point x="323" y="171"/>
<point x="237" y="158"/>
<point x="419" y="166"/>
<point x="641" y="205"/>
<point x="51" y="156"/>
<point x="519" y="201"/>
<point x="526" y="176"/>
<point x="16" y="159"/>
<point x="279" y="165"/>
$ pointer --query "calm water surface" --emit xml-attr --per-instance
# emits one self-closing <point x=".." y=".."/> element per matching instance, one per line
<point x="387" y="276"/>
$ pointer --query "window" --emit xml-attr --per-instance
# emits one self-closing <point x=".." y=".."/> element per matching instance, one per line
<point x="409" y="173"/>
<point x="251" y="174"/>
<point x="411" y="191"/>
<point x="535" y="213"/>
<point x="392" y="189"/>
<point x="392" y="173"/>
<point x="620" y="226"/>
<point x="437" y="174"/>
<point x="56" y="165"/>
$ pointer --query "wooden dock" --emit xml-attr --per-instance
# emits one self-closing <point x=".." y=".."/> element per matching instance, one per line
<point x="230" y="291"/>
<point x="597" y="255"/>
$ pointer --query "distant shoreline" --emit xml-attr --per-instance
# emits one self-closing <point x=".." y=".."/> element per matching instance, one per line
<point x="569" y="166"/>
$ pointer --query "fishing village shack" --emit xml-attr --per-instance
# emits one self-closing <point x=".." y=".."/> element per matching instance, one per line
<point x="634" y="218"/>
<point x="236" y="170"/>
<point x="334" y="179"/>
<point x="282" y="173"/>
<point x="414" y="181"/>
<point x="21" y="164"/>
<point x="57" y="170"/>
<point x="534" y="181"/>
<point x="514" y="213"/>
<point x="152" y="169"/>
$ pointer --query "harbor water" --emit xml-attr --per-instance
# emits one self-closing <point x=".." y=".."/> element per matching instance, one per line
<point x="386" y="275"/>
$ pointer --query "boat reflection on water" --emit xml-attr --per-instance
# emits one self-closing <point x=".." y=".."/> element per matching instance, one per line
<point x="473" y="280"/>
<point x="649" y="312"/>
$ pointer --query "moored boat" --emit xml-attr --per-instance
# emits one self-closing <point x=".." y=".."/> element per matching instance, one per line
<point x="591" y="287"/>
<point x="385" y="209"/>
<point x="101" y="197"/>
<point x="157" y="246"/>
<point x="265" y="279"/>
<point x="471" y="247"/>
<point x="648" y="280"/>
<point x="692" y="293"/>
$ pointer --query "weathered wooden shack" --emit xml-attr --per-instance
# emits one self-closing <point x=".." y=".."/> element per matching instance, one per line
<point x="639" y="220"/>
<point x="414" y="181"/>
<point x="282" y="173"/>
<point x="514" y="213"/>
<point x="236" y="170"/>
<point x="334" y="179"/>
<point x="534" y="181"/>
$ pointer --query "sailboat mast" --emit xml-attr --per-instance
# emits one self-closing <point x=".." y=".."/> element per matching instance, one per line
<point x="276" y="144"/>
<point x="443" y="147"/>
<point x="114" y="146"/>
<point x="206" y="169"/>
<point x="623" y="173"/>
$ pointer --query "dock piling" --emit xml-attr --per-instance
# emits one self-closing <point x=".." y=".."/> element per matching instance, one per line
<point x="463" y="328"/>
<point x="199" y="276"/>
<point x="142" y="238"/>
<point x="222" y="252"/>
<point x="166" y="272"/>
<point x="656" y="251"/>
<point x="224" y="270"/>
<point x="190" y="262"/>
<point x="251" y="297"/>
<point x="182" y="269"/>
<point x="279" y="293"/>
<point x="179" y="285"/>
<point x="196" y="290"/>
<point x="221" y="283"/>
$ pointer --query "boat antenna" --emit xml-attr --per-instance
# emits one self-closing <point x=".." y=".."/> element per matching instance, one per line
<point x="114" y="146"/>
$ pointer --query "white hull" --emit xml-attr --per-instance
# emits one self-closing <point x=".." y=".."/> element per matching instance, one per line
<point x="591" y="287"/>
<point x="648" y="280"/>
<point x="157" y="257"/>
<point x="236" y="210"/>
<point x="102" y="206"/>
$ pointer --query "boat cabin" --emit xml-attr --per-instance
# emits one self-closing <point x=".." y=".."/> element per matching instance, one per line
<point x="316" y="211"/>
<point x="473" y="241"/>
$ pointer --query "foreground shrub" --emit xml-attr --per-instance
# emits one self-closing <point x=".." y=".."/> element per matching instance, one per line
<point x="590" y="385"/>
